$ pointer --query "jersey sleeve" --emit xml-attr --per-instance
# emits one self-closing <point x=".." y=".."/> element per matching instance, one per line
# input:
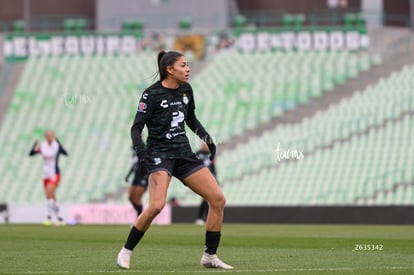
<point x="35" y="149"/>
<point x="194" y="124"/>
<point x="143" y="114"/>
<point x="62" y="149"/>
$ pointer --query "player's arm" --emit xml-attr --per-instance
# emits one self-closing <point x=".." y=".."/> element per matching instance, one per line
<point x="35" y="149"/>
<point x="62" y="149"/>
<point x="196" y="126"/>
<point x="143" y="113"/>
<point x="131" y="170"/>
<point x="136" y="130"/>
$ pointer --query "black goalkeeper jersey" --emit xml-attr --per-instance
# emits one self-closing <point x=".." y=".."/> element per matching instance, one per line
<point x="165" y="112"/>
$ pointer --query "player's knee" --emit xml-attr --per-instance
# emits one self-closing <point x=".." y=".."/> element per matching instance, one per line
<point x="218" y="202"/>
<point x="155" y="208"/>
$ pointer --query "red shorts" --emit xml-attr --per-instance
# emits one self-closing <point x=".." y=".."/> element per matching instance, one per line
<point x="52" y="180"/>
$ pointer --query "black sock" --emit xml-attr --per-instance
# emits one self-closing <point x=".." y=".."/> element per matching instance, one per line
<point x="203" y="210"/>
<point x="138" y="208"/>
<point x="212" y="242"/>
<point x="133" y="238"/>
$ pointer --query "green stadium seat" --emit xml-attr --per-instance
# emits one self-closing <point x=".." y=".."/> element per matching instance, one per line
<point x="239" y="22"/>
<point x="185" y="23"/>
<point x="18" y="26"/>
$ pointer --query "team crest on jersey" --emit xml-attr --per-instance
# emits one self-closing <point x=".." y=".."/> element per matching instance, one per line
<point x="185" y="99"/>
<point x="142" y="107"/>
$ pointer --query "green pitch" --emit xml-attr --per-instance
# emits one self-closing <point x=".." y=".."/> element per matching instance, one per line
<point x="251" y="249"/>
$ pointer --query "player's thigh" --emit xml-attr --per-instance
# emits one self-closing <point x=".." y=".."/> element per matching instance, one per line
<point x="158" y="183"/>
<point x="139" y="191"/>
<point x="50" y="189"/>
<point x="203" y="183"/>
<point x="136" y="193"/>
<point x="131" y="191"/>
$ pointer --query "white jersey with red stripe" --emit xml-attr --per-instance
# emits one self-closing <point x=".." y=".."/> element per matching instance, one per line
<point x="50" y="154"/>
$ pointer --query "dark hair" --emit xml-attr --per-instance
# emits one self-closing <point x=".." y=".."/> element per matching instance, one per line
<point x="166" y="59"/>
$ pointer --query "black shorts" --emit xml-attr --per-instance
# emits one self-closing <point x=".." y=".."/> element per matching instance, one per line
<point x="140" y="181"/>
<point x="177" y="167"/>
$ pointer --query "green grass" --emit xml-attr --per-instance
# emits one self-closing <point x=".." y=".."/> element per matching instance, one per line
<point x="261" y="249"/>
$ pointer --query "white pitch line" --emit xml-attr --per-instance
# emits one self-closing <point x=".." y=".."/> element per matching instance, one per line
<point x="227" y="271"/>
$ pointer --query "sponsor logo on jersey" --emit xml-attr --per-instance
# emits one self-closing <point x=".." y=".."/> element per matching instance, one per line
<point x="164" y="103"/>
<point x="173" y="135"/>
<point x="185" y="99"/>
<point x="176" y="103"/>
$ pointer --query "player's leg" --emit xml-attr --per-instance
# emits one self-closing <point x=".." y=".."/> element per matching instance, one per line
<point x="53" y="207"/>
<point x="203" y="183"/>
<point x="50" y="191"/>
<point x="158" y="187"/>
<point x="49" y="202"/>
<point x="136" y="192"/>
<point x="135" y="197"/>
<point x="202" y="212"/>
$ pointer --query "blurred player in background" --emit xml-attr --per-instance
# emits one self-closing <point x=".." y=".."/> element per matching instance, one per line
<point x="165" y="108"/>
<point x="204" y="155"/>
<point x="138" y="187"/>
<point x="50" y="149"/>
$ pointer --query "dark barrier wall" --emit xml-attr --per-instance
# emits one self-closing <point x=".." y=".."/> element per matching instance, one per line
<point x="292" y="6"/>
<point x="4" y="212"/>
<point x="396" y="12"/>
<point x="14" y="9"/>
<point x="331" y="214"/>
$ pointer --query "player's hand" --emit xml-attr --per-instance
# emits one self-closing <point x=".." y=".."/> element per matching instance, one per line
<point x="212" y="149"/>
<point x="143" y="163"/>
<point x="36" y="142"/>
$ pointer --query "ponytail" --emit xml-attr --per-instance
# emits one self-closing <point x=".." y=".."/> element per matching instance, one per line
<point x="166" y="59"/>
<point x="162" y="73"/>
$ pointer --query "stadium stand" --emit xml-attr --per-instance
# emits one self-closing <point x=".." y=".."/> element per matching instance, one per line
<point x="371" y="123"/>
<point x="355" y="151"/>
<point x="83" y="100"/>
<point x="243" y="89"/>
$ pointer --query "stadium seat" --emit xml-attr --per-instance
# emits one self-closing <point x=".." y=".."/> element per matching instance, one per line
<point x="365" y="165"/>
